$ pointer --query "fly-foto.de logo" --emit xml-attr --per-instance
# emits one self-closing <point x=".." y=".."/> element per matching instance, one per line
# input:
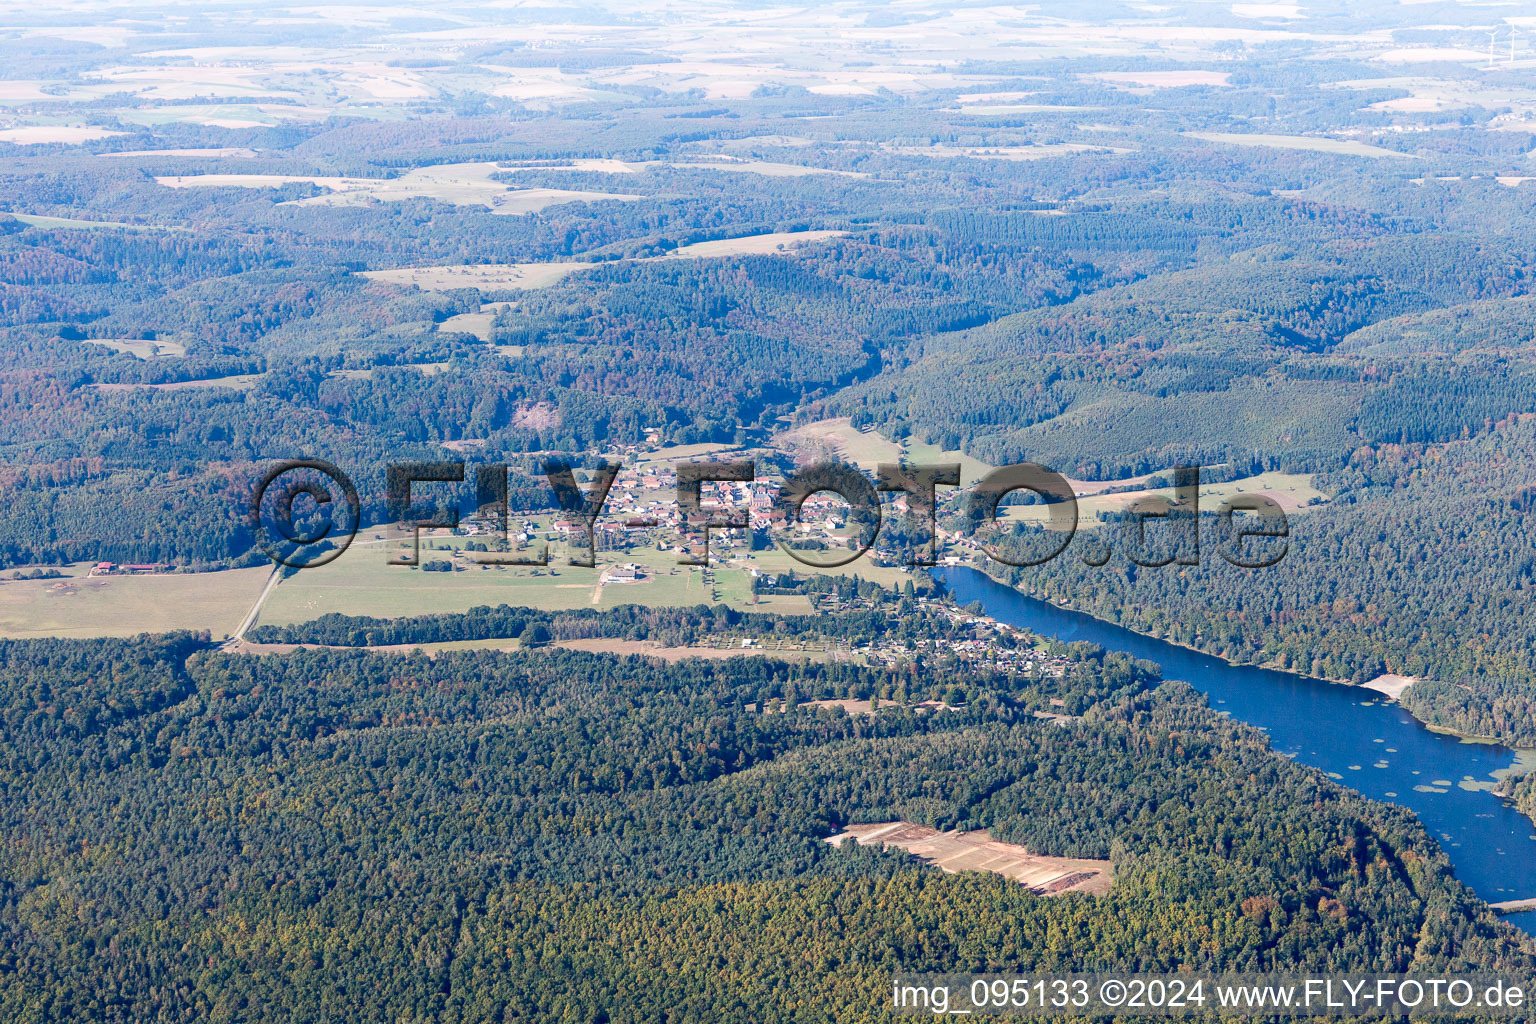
<point x="306" y="512"/>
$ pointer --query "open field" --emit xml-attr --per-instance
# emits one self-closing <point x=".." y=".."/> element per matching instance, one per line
<point x="223" y="152"/>
<point x="485" y="276"/>
<point x="766" y="168"/>
<point x="774" y="561"/>
<point x="72" y="224"/>
<point x="1041" y="152"/>
<point x="39" y="134"/>
<point x="682" y="453"/>
<point x="1292" y="491"/>
<point x="84" y="606"/>
<point x="839" y="438"/>
<point x="139" y="347"/>
<point x="226" y="115"/>
<point x="971" y="470"/>
<point x="361" y="582"/>
<point x="463" y="184"/>
<point x="748" y="245"/>
<point x="239" y="382"/>
<point x="978" y="851"/>
<point x="494" y="276"/>
<point x="1341" y="147"/>
<point x="478" y="324"/>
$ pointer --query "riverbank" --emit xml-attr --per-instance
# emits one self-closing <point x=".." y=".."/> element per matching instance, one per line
<point x="1367" y="743"/>
<point x="1389" y="686"/>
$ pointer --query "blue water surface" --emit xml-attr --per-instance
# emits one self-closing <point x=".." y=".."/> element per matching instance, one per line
<point x="1371" y="745"/>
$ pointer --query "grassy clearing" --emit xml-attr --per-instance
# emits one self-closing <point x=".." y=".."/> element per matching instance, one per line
<point x="683" y="453"/>
<point x="485" y="276"/>
<point x="74" y="224"/>
<point x="839" y="438"/>
<point x="971" y="470"/>
<point x="495" y="276"/>
<point x="463" y="184"/>
<point x="775" y="561"/>
<point x="239" y="382"/>
<point x="765" y="168"/>
<point x="361" y="582"/>
<point x="478" y="324"/>
<point x="140" y="348"/>
<point x="749" y="245"/>
<point x="69" y="134"/>
<point x="226" y="152"/>
<point x="94" y="606"/>
<point x="1043" y="152"/>
<point x="1340" y="147"/>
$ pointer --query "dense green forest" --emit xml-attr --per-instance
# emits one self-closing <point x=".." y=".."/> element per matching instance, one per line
<point x="477" y="836"/>
<point x="1110" y="240"/>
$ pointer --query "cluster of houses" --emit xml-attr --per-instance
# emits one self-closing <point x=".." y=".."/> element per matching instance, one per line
<point x="131" y="569"/>
<point x="642" y="502"/>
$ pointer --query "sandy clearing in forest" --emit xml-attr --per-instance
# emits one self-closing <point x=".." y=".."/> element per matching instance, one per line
<point x="1391" y="685"/>
<point x="978" y="851"/>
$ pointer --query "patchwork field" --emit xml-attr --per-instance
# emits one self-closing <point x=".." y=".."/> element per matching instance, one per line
<point x="978" y="851"/>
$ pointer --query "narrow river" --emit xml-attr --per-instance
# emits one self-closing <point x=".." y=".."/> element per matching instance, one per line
<point x="1353" y="734"/>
